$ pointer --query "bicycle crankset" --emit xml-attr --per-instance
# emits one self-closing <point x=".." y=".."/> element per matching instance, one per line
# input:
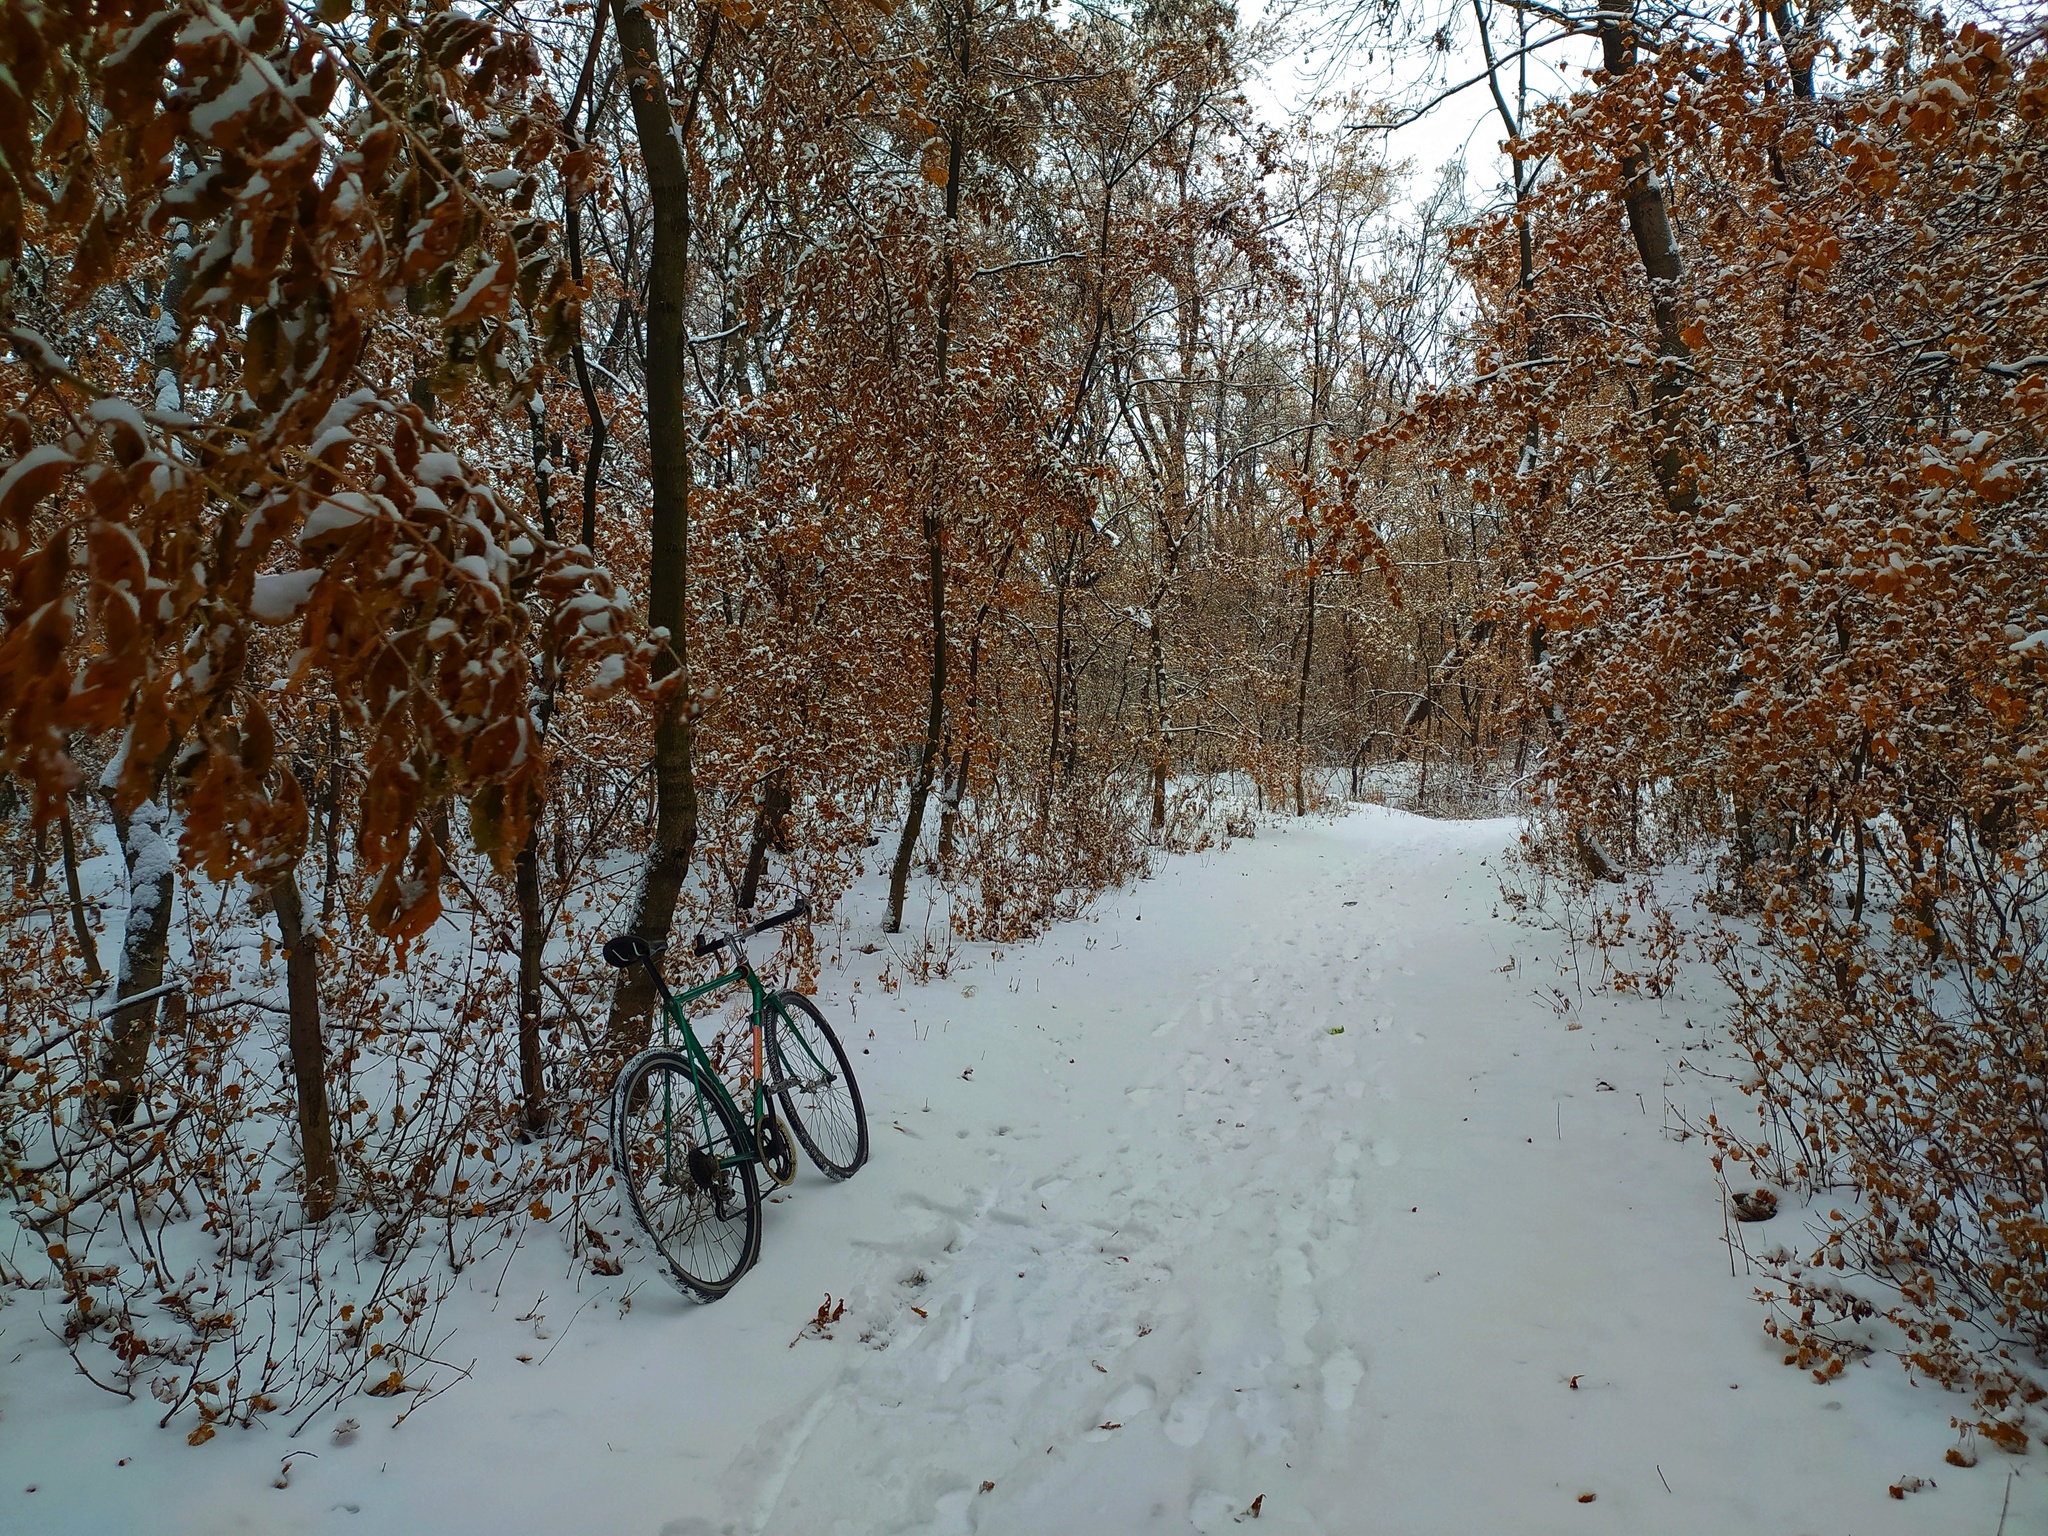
<point x="778" y="1156"/>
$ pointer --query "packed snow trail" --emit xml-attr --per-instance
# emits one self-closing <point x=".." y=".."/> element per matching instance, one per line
<point x="1278" y="1186"/>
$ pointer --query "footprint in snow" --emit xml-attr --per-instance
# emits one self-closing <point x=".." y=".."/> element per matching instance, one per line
<point x="1188" y="1419"/>
<point x="1341" y="1375"/>
<point x="950" y="1514"/>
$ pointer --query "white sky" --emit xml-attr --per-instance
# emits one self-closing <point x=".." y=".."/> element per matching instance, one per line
<point x="1466" y="125"/>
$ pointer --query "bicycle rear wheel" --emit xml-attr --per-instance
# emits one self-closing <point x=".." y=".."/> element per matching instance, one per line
<point x="814" y="1084"/>
<point x="674" y="1149"/>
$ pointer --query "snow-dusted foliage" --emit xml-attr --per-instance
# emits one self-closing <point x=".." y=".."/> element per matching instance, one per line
<point x="394" y="429"/>
<point x="1770" y="456"/>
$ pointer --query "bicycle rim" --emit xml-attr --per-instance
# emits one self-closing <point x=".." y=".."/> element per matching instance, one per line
<point x="819" y="1097"/>
<point x="665" y="1137"/>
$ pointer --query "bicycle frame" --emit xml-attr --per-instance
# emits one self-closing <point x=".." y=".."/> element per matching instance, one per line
<point x="673" y="1014"/>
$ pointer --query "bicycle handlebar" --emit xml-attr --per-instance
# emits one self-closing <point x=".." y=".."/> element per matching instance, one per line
<point x="711" y="943"/>
<point x="631" y="949"/>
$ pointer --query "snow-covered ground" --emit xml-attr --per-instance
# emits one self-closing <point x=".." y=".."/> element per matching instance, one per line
<point x="1277" y="1186"/>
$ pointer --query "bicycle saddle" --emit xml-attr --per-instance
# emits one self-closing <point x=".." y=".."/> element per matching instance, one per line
<point x="627" y="949"/>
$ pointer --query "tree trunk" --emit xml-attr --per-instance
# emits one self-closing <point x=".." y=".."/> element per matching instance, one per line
<point x="662" y="142"/>
<point x="956" y="786"/>
<point x="1799" y="49"/>
<point x="330" y="815"/>
<point x="935" y="719"/>
<point x="770" y="831"/>
<point x="935" y="546"/>
<point x="81" y="925"/>
<point x="150" y="856"/>
<point x="593" y="461"/>
<point x="1649" y="223"/>
<point x="308" y="1048"/>
<point x="532" y="940"/>
<point x="1162" y="749"/>
<point x="146" y="847"/>
<point x="1308" y="652"/>
<point x="956" y="793"/>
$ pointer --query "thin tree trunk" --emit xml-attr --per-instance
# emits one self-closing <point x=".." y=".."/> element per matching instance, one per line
<point x="770" y="831"/>
<point x="148" y="852"/>
<point x="81" y="925"/>
<point x="935" y="718"/>
<point x="956" y="793"/>
<point x="330" y="812"/>
<point x="146" y="848"/>
<point x="573" y="236"/>
<point x="935" y="547"/>
<point x="308" y="1048"/>
<point x="532" y="941"/>
<point x="1649" y="223"/>
<point x="1308" y="651"/>
<point x="956" y="785"/>
<point x="1798" y="44"/>
<point x="662" y="151"/>
<point x="1059" y="677"/>
<point x="1162" y="751"/>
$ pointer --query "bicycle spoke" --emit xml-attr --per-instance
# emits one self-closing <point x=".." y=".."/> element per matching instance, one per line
<point x="675" y="1150"/>
<point x="816" y="1088"/>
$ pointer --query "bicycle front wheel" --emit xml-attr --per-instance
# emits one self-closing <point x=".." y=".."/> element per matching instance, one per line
<point x="687" y="1172"/>
<point x="814" y="1084"/>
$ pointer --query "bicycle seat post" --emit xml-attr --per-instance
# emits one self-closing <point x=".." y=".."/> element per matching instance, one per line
<point x="660" y="983"/>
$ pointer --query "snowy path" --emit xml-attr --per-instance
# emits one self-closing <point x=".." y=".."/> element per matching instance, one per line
<point x="1144" y="1242"/>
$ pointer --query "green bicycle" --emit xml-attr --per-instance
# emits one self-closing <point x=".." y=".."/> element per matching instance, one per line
<point x="686" y="1153"/>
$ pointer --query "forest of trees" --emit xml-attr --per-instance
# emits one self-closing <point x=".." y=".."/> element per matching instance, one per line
<point x="475" y="474"/>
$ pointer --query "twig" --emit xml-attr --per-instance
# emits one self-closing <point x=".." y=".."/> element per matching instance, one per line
<point x="147" y="1155"/>
<point x="71" y="1348"/>
<point x="570" y="1324"/>
<point x="421" y="1402"/>
<point x="575" y="1015"/>
<point x="2007" y="1505"/>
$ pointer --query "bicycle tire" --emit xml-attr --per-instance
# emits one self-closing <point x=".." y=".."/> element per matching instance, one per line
<point x="824" y="1112"/>
<point x="707" y="1236"/>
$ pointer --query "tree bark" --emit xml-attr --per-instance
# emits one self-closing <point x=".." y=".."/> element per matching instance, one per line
<point x="532" y="940"/>
<point x="934" y="528"/>
<point x="81" y="926"/>
<point x="1649" y="223"/>
<point x="147" y="851"/>
<point x="330" y="815"/>
<point x="308" y="1049"/>
<point x="770" y="831"/>
<point x="935" y="720"/>
<point x="1799" y="47"/>
<point x="1308" y="651"/>
<point x="956" y="785"/>
<point x="593" y="461"/>
<point x="145" y="846"/>
<point x="1162" y="749"/>
<point x="662" y="150"/>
